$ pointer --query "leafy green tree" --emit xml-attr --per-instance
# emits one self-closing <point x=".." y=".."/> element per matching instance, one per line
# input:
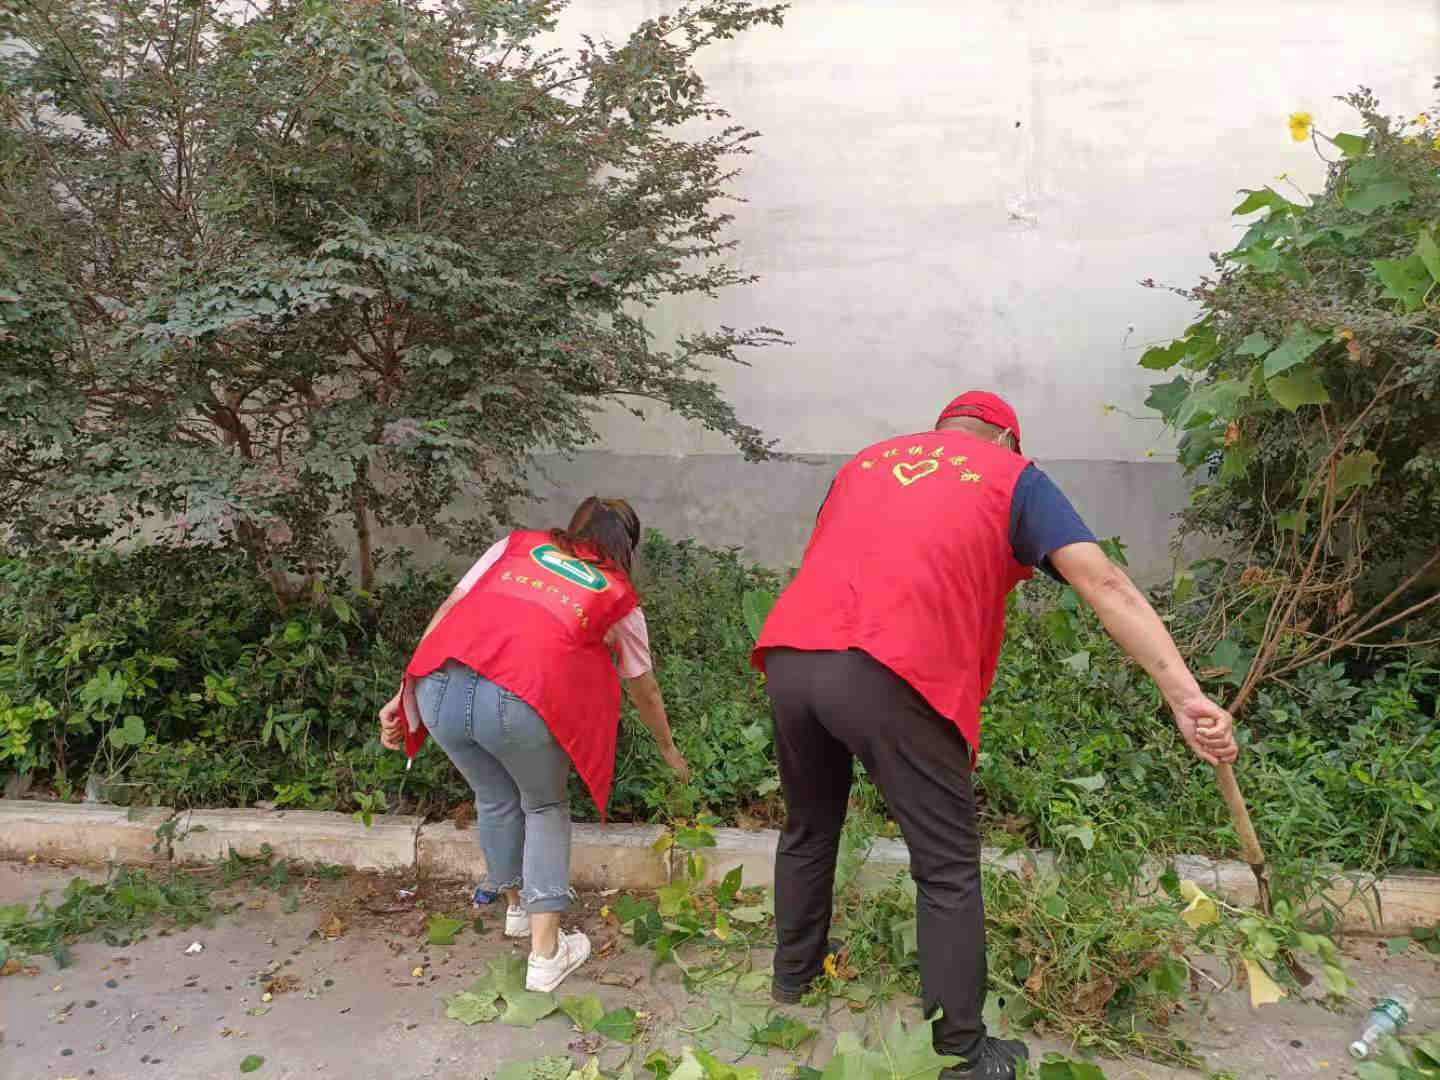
<point x="268" y="266"/>
<point x="1308" y="403"/>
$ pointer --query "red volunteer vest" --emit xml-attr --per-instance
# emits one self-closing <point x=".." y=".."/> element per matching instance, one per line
<point x="911" y="562"/>
<point x="535" y="624"/>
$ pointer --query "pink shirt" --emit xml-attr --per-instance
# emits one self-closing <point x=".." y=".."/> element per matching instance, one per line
<point x="629" y="639"/>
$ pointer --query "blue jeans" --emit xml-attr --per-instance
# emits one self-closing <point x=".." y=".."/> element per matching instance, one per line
<point x="519" y="774"/>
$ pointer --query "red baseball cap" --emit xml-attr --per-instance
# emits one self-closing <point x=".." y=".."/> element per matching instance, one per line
<point x="983" y="405"/>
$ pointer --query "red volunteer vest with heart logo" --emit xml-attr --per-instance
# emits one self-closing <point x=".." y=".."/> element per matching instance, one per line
<point x="911" y="562"/>
<point x="535" y="624"/>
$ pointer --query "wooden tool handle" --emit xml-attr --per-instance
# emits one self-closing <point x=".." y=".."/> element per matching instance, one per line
<point x="1239" y="814"/>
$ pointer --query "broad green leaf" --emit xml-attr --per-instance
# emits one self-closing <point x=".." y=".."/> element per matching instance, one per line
<point x="899" y="1054"/>
<point x="618" y="1024"/>
<point x="1367" y="198"/>
<point x="722" y="926"/>
<point x="1227" y="656"/>
<point x="471" y="1008"/>
<point x="1264" y="199"/>
<point x="673" y="898"/>
<point x="691" y="839"/>
<point x="1087" y="783"/>
<point x="1406" y="280"/>
<point x="783" y="1032"/>
<point x="341" y="607"/>
<point x="1356" y="470"/>
<point x="506" y="978"/>
<point x="1264" y="259"/>
<point x="251" y="1063"/>
<point x="1335" y="979"/>
<point x="1166" y="398"/>
<point x="585" y="1012"/>
<point x="1297" y="347"/>
<point x="1070" y="1070"/>
<point x="526" y="1009"/>
<point x="905" y="936"/>
<point x="1264" y="944"/>
<point x="1084" y="834"/>
<point x="753" y="982"/>
<point x="1182" y="586"/>
<point x="1374" y="1070"/>
<point x="753" y="913"/>
<point x="699" y="1065"/>
<point x="1255" y="344"/>
<point x="1239" y="457"/>
<point x="1296" y="521"/>
<point x="1077" y="662"/>
<point x="755" y="605"/>
<point x="663" y="843"/>
<point x="1161" y="357"/>
<point x="1300" y="387"/>
<point x="1214" y="401"/>
<point x="442" y="929"/>
<point x="729" y="886"/>
<point x="1351" y="145"/>
<point x="1429" y="253"/>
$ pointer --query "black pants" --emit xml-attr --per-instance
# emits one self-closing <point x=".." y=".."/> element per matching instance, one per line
<point x="829" y="706"/>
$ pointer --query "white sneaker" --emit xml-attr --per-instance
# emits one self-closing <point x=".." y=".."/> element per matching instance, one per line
<point x="546" y="973"/>
<point x="517" y="922"/>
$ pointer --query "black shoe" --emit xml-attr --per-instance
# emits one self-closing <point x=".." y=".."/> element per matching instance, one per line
<point x="786" y="994"/>
<point x="996" y="1061"/>
<point x="789" y="995"/>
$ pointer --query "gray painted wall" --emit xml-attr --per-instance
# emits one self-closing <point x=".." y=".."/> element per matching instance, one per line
<point x="767" y="509"/>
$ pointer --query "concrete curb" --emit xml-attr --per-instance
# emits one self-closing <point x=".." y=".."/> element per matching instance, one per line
<point x="602" y="856"/>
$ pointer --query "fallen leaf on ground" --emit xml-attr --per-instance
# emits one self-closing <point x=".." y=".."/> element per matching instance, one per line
<point x="10" y="967"/>
<point x="332" y="929"/>
<point x="251" y="1063"/>
<point x="417" y="973"/>
<point x="1263" y="989"/>
<point x="281" y="984"/>
<point x="617" y="978"/>
<point x="442" y="929"/>
<point x="471" y="1008"/>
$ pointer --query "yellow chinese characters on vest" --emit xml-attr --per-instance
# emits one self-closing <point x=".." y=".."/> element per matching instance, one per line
<point x="919" y="461"/>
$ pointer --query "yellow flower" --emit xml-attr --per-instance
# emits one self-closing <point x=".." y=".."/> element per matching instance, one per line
<point x="1300" y="125"/>
<point x="1435" y="143"/>
<point x="1347" y="334"/>
<point x="1202" y="910"/>
<point x="1421" y="120"/>
<point x="830" y="968"/>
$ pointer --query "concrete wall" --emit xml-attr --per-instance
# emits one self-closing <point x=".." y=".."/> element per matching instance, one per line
<point x="966" y="194"/>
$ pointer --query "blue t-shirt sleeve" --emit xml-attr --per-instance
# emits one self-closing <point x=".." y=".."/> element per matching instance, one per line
<point x="1042" y="520"/>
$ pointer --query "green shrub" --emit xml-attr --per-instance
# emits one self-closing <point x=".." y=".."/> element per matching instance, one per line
<point x="172" y="678"/>
<point x="693" y="604"/>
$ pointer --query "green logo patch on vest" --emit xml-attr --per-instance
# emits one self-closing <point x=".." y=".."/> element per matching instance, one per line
<point x="576" y="571"/>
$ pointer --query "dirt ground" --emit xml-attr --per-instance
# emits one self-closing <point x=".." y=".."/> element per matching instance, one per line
<point x="347" y="1002"/>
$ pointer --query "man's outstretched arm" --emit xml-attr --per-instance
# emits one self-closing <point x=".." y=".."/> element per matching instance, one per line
<point x="1136" y="628"/>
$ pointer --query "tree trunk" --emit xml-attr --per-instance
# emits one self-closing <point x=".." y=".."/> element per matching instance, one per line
<point x="363" y="543"/>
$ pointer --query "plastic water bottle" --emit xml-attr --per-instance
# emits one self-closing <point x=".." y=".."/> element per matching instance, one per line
<point x="1386" y="1018"/>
